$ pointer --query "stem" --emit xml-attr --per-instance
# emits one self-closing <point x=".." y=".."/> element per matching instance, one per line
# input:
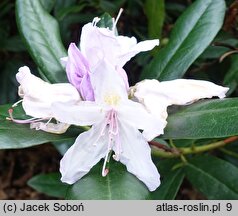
<point x="178" y="152"/>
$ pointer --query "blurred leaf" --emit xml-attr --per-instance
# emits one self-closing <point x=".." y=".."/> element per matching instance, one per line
<point x="14" y="44"/>
<point x="8" y="83"/>
<point x="13" y="136"/>
<point x="111" y="7"/>
<point x="41" y="35"/>
<point x="5" y="7"/>
<point x="105" y="21"/>
<point x="155" y="12"/>
<point x="189" y="38"/>
<point x="171" y="180"/>
<point x="215" y="178"/>
<point x="117" y="185"/>
<point x="70" y="9"/>
<point x="48" y="4"/>
<point x="49" y="184"/>
<point x="174" y="8"/>
<point x="62" y="4"/>
<point x="231" y="78"/>
<point x="206" y="119"/>
<point x="63" y="146"/>
<point x="213" y="52"/>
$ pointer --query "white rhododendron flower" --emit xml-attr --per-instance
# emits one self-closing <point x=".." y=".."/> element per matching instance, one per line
<point x="37" y="97"/>
<point x="115" y="121"/>
<point x="97" y="96"/>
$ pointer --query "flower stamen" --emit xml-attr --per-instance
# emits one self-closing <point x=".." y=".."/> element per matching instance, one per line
<point x="112" y="125"/>
<point x="21" y="121"/>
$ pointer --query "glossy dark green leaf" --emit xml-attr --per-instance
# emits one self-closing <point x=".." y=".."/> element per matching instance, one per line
<point x="171" y="180"/>
<point x="117" y="185"/>
<point x="40" y="32"/>
<point x="189" y="38"/>
<point x="206" y="119"/>
<point x="49" y="184"/>
<point x="155" y="13"/>
<point x="215" y="178"/>
<point x="13" y="136"/>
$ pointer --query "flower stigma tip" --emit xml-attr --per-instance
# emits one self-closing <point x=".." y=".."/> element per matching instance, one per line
<point x="21" y="121"/>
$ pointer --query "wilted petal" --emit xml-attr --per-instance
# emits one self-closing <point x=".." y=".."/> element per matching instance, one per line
<point x="87" y="150"/>
<point x="157" y="96"/>
<point x="84" y="113"/>
<point x="179" y="91"/>
<point x="39" y="95"/>
<point x="77" y="69"/>
<point x="135" y="114"/>
<point x="57" y="128"/>
<point x="136" y="155"/>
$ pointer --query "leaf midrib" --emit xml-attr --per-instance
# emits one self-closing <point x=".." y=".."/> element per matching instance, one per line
<point x="182" y="42"/>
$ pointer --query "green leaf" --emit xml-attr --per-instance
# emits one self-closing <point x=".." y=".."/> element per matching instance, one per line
<point x="105" y="21"/>
<point x="49" y="184"/>
<point x="155" y="12"/>
<point x="215" y="178"/>
<point x="206" y="119"/>
<point x="192" y="33"/>
<point x="231" y="78"/>
<point x="171" y="180"/>
<point x="117" y="185"/>
<point x="13" y="136"/>
<point x="40" y="32"/>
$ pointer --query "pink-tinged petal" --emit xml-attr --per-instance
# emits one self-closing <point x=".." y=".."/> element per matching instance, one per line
<point x="136" y="115"/>
<point x="84" y="113"/>
<point x="130" y="48"/>
<point x="86" y="88"/>
<point x="136" y="155"/>
<point x="97" y="44"/>
<point x="39" y="95"/>
<point x="77" y="69"/>
<point x="87" y="150"/>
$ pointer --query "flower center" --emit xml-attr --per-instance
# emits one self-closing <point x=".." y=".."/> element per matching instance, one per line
<point x="112" y="99"/>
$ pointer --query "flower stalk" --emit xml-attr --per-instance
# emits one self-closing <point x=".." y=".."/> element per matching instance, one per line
<point x="178" y="152"/>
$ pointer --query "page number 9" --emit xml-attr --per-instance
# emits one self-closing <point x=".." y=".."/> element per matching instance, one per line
<point x="228" y="206"/>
